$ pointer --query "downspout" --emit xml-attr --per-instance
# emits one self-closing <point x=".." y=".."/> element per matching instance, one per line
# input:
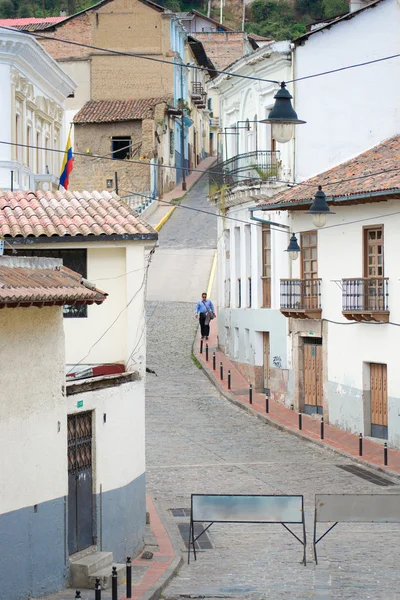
<point x="292" y="48"/>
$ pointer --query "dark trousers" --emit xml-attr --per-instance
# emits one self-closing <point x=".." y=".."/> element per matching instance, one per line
<point x="205" y="329"/>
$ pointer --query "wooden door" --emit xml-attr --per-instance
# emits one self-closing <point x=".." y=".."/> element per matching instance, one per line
<point x="313" y="377"/>
<point x="379" y="401"/>
<point x="266" y="360"/>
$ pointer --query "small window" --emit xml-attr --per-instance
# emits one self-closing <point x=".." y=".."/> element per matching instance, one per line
<point x="171" y="142"/>
<point x="121" y="147"/>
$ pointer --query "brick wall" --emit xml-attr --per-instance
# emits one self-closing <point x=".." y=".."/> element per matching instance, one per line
<point x="223" y="48"/>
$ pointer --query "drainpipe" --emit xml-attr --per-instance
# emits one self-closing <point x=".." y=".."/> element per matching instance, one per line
<point x="292" y="48"/>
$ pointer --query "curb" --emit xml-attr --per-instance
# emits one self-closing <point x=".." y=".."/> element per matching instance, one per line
<point x="155" y="591"/>
<point x="268" y="421"/>
<point x="164" y="219"/>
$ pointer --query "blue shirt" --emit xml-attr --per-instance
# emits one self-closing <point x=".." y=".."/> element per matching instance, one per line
<point x="202" y="307"/>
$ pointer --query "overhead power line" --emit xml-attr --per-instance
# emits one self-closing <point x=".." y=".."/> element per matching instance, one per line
<point x="198" y="68"/>
<point x="208" y="171"/>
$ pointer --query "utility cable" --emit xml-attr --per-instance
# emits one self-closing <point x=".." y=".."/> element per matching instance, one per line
<point x="203" y="171"/>
<point x="196" y="67"/>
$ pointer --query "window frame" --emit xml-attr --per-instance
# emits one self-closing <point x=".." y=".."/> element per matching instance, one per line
<point x="127" y="151"/>
<point x="266" y="279"/>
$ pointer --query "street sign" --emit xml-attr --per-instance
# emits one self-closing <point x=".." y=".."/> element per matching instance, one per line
<point x="79" y="404"/>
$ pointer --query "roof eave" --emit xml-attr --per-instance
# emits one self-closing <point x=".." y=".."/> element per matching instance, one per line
<point x="354" y="198"/>
<point x="129" y="237"/>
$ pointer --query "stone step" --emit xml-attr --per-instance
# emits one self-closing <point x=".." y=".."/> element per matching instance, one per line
<point x="105" y="576"/>
<point x="82" y="568"/>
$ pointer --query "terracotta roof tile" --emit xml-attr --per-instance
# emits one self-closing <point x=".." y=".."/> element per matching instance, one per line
<point x="31" y="23"/>
<point x="110" y="111"/>
<point x="361" y="175"/>
<point x="48" y="214"/>
<point x="39" y="283"/>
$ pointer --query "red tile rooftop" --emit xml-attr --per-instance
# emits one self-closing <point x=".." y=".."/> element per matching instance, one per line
<point x="60" y="214"/>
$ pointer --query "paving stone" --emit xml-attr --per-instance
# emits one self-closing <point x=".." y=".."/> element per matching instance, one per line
<point x="197" y="442"/>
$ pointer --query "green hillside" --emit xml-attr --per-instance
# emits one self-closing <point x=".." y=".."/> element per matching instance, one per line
<point x="277" y="19"/>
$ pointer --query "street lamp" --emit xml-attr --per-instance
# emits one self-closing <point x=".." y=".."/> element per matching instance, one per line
<point x="282" y="117"/>
<point x="293" y="248"/>
<point x="319" y="209"/>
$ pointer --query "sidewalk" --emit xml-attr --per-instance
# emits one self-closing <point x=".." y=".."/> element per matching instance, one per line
<point x="288" y="420"/>
<point x="149" y="577"/>
<point x="164" y="209"/>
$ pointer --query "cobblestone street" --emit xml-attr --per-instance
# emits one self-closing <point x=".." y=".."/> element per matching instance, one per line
<point x="197" y="442"/>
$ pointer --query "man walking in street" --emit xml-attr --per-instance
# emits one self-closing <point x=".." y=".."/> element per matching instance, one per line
<point x="205" y="309"/>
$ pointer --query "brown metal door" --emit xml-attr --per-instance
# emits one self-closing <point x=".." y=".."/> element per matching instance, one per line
<point x="379" y="401"/>
<point x="312" y="377"/>
<point x="266" y="360"/>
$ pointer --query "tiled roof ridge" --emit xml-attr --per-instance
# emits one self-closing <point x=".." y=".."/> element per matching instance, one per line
<point x="59" y="214"/>
<point x="107" y="111"/>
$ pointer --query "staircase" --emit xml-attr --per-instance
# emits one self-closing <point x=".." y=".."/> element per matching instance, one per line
<point x="84" y="570"/>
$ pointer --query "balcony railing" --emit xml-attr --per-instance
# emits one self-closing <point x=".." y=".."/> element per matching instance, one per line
<point x="301" y="298"/>
<point x="214" y="122"/>
<point x="366" y="299"/>
<point x="260" y="165"/>
<point x="197" y="89"/>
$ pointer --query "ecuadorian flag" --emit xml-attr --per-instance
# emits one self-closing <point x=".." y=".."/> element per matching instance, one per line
<point x="68" y="164"/>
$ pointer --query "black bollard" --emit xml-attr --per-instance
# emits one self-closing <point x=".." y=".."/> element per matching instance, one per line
<point x="221" y="371"/>
<point x="97" y="589"/>
<point x="385" y="454"/>
<point x="267" y="402"/>
<point x="128" y="577"/>
<point x="300" y="421"/>
<point x="201" y="346"/>
<point x="229" y="380"/>
<point x="360" y="448"/>
<point x="292" y="407"/>
<point x="251" y="394"/>
<point x="206" y="352"/>
<point x="114" y="584"/>
<point x="214" y="362"/>
<point x="322" y="428"/>
<point x="78" y="595"/>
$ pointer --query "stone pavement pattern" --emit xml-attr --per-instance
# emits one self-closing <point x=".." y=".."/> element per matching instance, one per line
<point x="197" y="442"/>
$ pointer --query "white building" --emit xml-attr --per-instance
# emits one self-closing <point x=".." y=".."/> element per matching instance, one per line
<point x="340" y="299"/>
<point x="344" y="372"/>
<point x="352" y="110"/>
<point x="255" y="166"/>
<point x="34" y="89"/>
<point x="33" y="423"/>
<point x="98" y="236"/>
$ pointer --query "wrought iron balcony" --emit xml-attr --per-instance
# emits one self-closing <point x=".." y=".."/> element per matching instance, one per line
<point x="214" y="122"/>
<point x="245" y="169"/>
<point x="301" y="298"/>
<point x="198" y="94"/>
<point x="366" y="299"/>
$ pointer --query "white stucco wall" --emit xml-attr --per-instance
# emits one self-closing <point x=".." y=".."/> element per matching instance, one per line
<point x="117" y="268"/>
<point x="33" y="427"/>
<point x="349" y="345"/>
<point x="352" y="110"/>
<point x="241" y="99"/>
<point x="119" y="442"/>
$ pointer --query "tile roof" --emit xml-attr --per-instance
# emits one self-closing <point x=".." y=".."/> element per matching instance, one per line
<point x="351" y="179"/>
<point x="58" y="214"/>
<point x="110" y="111"/>
<point x="30" y="23"/>
<point x="37" y="282"/>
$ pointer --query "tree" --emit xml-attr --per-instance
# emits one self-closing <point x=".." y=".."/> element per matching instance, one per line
<point x="333" y="8"/>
